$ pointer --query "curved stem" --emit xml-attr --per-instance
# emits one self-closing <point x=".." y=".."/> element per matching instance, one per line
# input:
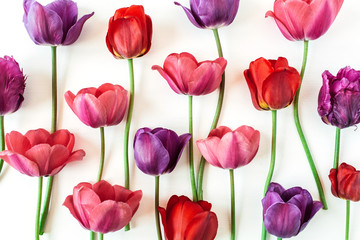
<point x="191" y="152"/>
<point x="38" y="208"/>
<point x="92" y="235"/>
<point x="102" y="154"/>
<point x="2" y="140"/>
<point x="215" y="120"/>
<point x="157" y="217"/>
<point x="347" y="227"/>
<point x="101" y="236"/>
<point x="301" y="134"/>
<point x="337" y="148"/>
<point x="232" y="191"/>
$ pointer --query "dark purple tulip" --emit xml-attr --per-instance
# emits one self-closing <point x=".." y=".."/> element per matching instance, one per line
<point x="157" y="151"/>
<point x="53" y="24"/>
<point x="287" y="212"/>
<point x="211" y="13"/>
<point x="339" y="98"/>
<point x="12" y="85"/>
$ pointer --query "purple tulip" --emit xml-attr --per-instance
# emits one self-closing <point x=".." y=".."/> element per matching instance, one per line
<point x="53" y="24"/>
<point x="339" y="98"/>
<point x="287" y="212"/>
<point x="12" y="85"/>
<point x="211" y="14"/>
<point x="157" y="151"/>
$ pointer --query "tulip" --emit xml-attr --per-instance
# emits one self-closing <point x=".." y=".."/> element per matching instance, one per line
<point x="39" y="153"/>
<point x="185" y="75"/>
<point x="129" y="34"/>
<point x="99" y="107"/>
<point x="102" y="207"/>
<point x="230" y="149"/>
<point x="158" y="151"/>
<point x="339" y="98"/>
<point x="272" y="83"/>
<point x="53" y="24"/>
<point x="211" y="14"/>
<point x="184" y="219"/>
<point x="287" y="212"/>
<point x="345" y="182"/>
<point x="304" y="19"/>
<point x="12" y="85"/>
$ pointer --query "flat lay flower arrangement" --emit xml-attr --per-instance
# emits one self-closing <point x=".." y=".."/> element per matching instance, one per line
<point x="195" y="119"/>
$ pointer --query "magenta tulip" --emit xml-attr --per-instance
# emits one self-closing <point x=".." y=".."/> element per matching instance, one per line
<point x="230" y="149"/>
<point x="102" y="207"/>
<point x="99" y="107"/>
<point x="185" y="75"/>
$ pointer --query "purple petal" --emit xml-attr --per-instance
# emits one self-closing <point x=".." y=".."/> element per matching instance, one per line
<point x="346" y="109"/>
<point x="67" y="10"/>
<point x="270" y="199"/>
<point x="291" y="192"/>
<point x="193" y="18"/>
<point x="316" y="206"/>
<point x="324" y="99"/>
<point x="275" y="187"/>
<point x="74" y="32"/>
<point x="303" y="201"/>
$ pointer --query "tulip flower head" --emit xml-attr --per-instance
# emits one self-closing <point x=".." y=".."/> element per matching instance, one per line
<point x="339" y="98"/>
<point x="287" y="212"/>
<point x="229" y="149"/>
<point x="99" y="107"/>
<point x="272" y="83"/>
<point x="158" y="151"/>
<point x="304" y="19"/>
<point x="39" y="153"/>
<point x="345" y="182"/>
<point x="185" y="75"/>
<point x="102" y="207"/>
<point x="12" y="85"/>
<point x="53" y="24"/>
<point x="211" y="14"/>
<point x="184" y="219"/>
<point x="129" y="33"/>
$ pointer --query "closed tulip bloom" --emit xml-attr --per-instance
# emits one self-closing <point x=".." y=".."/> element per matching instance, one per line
<point x="272" y="83"/>
<point x="12" y="85"/>
<point x="53" y="24"/>
<point x="102" y="207"/>
<point x="185" y="75"/>
<point x="304" y="19"/>
<point x="345" y="182"/>
<point x="229" y="149"/>
<point x="211" y="13"/>
<point x="39" y="153"/>
<point x="158" y="151"/>
<point x="287" y="212"/>
<point x="129" y="33"/>
<point x="184" y="219"/>
<point x="339" y="98"/>
<point x="99" y="107"/>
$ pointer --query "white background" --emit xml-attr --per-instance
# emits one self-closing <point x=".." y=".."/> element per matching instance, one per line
<point x="87" y="63"/>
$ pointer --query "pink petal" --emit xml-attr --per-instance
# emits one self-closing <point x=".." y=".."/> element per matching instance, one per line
<point x="219" y="131"/>
<point x="69" y="203"/>
<point x="168" y="78"/>
<point x="37" y="136"/>
<point x="69" y="98"/>
<point x="16" y="142"/>
<point x="62" y="137"/>
<point x="104" y="190"/>
<point x="209" y="149"/>
<point x="40" y="154"/>
<point x="20" y="163"/>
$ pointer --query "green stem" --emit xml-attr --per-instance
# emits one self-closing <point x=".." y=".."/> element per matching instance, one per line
<point x="279" y="238"/>
<point x="92" y="235"/>
<point x="272" y="163"/>
<point x="157" y="217"/>
<point x="232" y="191"/>
<point x="191" y="152"/>
<point x="337" y="148"/>
<point x="101" y="236"/>
<point x="102" y="154"/>
<point x="216" y="117"/>
<point x="38" y="208"/>
<point x="301" y="134"/>
<point x="2" y="140"/>
<point x="347" y="228"/>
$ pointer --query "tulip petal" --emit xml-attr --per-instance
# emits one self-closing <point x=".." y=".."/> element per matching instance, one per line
<point x="203" y="226"/>
<point x="270" y="199"/>
<point x="62" y="137"/>
<point x="316" y="206"/>
<point x="20" y="163"/>
<point x="275" y="187"/>
<point x="104" y="190"/>
<point x="345" y="110"/>
<point x="75" y="30"/>
<point x="208" y="148"/>
<point x="67" y="11"/>
<point x="17" y="143"/>
<point x="205" y="79"/>
<point x="192" y="17"/>
<point x="75" y="156"/>
<point x="69" y="203"/>
<point x="37" y="136"/>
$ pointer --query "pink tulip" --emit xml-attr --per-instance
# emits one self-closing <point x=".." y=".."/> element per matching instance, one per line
<point x="102" y="207"/>
<point x="99" y="107"/>
<point x="304" y="19"/>
<point x="39" y="153"/>
<point x="187" y="76"/>
<point x="230" y="149"/>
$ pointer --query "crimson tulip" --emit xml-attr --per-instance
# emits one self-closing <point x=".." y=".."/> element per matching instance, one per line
<point x="129" y="33"/>
<point x="272" y="83"/>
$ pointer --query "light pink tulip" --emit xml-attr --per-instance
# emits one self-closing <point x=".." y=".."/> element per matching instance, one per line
<point x="102" y="207"/>
<point x="185" y="75"/>
<point x="230" y="149"/>
<point x="304" y="19"/>
<point x="99" y="107"/>
<point x="39" y="153"/>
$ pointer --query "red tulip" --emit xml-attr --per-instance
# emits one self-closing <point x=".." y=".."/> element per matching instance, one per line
<point x="184" y="219"/>
<point x="345" y="182"/>
<point x="272" y="83"/>
<point x="130" y="31"/>
<point x="39" y="153"/>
